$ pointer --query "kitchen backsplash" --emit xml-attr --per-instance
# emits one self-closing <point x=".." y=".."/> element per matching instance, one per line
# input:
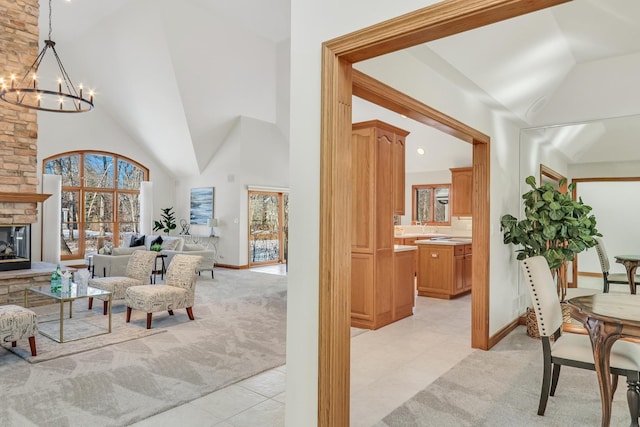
<point x="458" y="227"/>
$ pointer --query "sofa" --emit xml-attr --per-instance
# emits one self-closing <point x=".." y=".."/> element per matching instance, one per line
<point x="115" y="263"/>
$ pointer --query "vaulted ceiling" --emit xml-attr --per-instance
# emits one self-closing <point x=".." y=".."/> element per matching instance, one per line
<point x="167" y="72"/>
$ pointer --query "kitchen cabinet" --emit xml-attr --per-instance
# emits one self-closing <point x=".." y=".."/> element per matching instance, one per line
<point x="461" y="191"/>
<point x="444" y="270"/>
<point x="398" y="172"/>
<point x="404" y="293"/>
<point x="373" y="144"/>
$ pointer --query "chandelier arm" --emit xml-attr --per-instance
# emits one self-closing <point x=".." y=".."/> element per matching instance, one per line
<point x="65" y="76"/>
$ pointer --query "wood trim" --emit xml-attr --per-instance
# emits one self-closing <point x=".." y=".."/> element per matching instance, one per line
<point x="497" y="337"/>
<point x="436" y="21"/>
<point x="374" y="91"/>
<point x="234" y="267"/>
<point x="24" y="197"/>
<point x="335" y="251"/>
<point x="430" y="23"/>
<point x="589" y="274"/>
<point x="606" y="179"/>
<point x="556" y="176"/>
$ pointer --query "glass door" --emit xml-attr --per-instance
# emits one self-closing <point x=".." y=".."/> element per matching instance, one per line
<point x="268" y="227"/>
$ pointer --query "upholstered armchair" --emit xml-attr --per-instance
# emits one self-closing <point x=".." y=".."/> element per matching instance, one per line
<point x="178" y="290"/>
<point x="138" y="272"/>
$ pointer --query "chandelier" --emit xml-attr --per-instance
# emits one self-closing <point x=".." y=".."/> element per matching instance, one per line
<point x="27" y="93"/>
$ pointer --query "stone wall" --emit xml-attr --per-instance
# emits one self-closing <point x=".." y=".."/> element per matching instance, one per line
<point x="18" y="126"/>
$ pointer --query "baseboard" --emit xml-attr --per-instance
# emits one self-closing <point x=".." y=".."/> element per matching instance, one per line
<point x="497" y="337"/>
<point x="234" y="267"/>
<point x="588" y="274"/>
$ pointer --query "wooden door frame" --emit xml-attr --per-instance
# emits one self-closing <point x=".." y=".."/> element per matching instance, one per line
<point x="421" y="26"/>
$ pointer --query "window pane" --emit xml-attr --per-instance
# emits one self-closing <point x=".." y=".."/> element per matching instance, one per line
<point x="129" y="175"/>
<point x="98" y="171"/>
<point x="264" y="213"/>
<point x="441" y="210"/>
<point x="69" y="226"/>
<point x="99" y="235"/>
<point x="128" y="207"/>
<point x="98" y="206"/>
<point x="423" y="204"/>
<point x="68" y="167"/>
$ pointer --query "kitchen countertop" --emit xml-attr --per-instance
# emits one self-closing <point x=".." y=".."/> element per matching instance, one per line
<point x="447" y="242"/>
<point x="424" y="235"/>
<point x="404" y="248"/>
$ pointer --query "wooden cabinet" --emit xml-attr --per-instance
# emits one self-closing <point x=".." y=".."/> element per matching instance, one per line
<point x="404" y="295"/>
<point x="461" y="191"/>
<point x="398" y="172"/>
<point x="373" y="145"/>
<point x="444" y="271"/>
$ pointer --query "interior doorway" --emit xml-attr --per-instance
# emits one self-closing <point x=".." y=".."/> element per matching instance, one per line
<point x="268" y="227"/>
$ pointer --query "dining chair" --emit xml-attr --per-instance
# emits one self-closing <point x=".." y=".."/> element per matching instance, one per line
<point x="607" y="277"/>
<point x="573" y="350"/>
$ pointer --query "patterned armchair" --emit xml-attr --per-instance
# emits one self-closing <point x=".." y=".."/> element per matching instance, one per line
<point x="177" y="292"/>
<point x="139" y="269"/>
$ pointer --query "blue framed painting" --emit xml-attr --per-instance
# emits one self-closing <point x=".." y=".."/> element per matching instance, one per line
<point x="201" y="205"/>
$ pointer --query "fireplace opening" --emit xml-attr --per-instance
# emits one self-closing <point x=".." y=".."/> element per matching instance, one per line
<point x="15" y="247"/>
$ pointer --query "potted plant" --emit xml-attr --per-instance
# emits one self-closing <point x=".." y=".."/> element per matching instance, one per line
<point x="554" y="226"/>
<point x="167" y="221"/>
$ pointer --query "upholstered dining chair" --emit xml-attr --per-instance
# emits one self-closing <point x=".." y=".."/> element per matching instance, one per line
<point x="139" y="268"/>
<point x="572" y="349"/>
<point x="607" y="277"/>
<point x="178" y="290"/>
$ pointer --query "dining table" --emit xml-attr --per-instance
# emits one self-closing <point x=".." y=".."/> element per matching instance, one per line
<point x="631" y="263"/>
<point x="607" y="317"/>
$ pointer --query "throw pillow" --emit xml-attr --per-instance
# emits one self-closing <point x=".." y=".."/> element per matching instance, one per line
<point x="136" y="241"/>
<point x="127" y="251"/>
<point x="171" y="244"/>
<point x="156" y="241"/>
<point x="192" y="247"/>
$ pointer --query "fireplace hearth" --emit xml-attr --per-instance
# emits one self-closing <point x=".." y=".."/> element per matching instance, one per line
<point x="15" y="247"/>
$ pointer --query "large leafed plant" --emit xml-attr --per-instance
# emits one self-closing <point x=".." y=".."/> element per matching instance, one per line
<point x="554" y="226"/>
<point x="167" y="221"/>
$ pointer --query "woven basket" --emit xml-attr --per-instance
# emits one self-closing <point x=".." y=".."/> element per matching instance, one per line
<point x="532" y="322"/>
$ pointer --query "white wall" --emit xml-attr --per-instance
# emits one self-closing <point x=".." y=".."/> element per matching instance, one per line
<point x="616" y="211"/>
<point x="254" y="153"/>
<point x="338" y="18"/>
<point x="60" y="133"/>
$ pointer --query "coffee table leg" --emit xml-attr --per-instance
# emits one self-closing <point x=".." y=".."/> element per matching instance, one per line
<point x="110" y="305"/>
<point x="61" y="321"/>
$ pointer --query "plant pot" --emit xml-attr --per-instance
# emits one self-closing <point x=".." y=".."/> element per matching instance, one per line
<point x="532" y="322"/>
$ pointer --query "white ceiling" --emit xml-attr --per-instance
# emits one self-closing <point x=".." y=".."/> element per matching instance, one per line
<point x="158" y="68"/>
<point x="537" y="70"/>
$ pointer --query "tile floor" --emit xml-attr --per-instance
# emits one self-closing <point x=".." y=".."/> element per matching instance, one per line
<point x="388" y="366"/>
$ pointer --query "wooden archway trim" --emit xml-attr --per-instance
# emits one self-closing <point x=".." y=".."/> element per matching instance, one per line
<point x="338" y="55"/>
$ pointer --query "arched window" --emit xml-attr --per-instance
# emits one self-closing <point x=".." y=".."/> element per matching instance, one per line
<point x="100" y="199"/>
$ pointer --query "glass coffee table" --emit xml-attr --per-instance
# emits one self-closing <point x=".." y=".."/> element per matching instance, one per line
<point x="77" y="292"/>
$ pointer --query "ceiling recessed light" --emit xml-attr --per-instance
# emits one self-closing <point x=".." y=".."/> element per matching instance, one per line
<point x="421" y="151"/>
<point x="403" y="116"/>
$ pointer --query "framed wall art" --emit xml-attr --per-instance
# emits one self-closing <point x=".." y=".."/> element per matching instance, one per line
<point x="202" y="203"/>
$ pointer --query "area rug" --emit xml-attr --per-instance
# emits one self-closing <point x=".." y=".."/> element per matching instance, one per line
<point x="78" y="330"/>
<point x="501" y="387"/>
<point x="239" y="331"/>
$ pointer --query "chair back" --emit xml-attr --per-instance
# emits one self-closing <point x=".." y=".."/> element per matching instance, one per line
<point x="602" y="255"/>
<point x="140" y="265"/>
<point x="544" y="295"/>
<point x="182" y="272"/>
